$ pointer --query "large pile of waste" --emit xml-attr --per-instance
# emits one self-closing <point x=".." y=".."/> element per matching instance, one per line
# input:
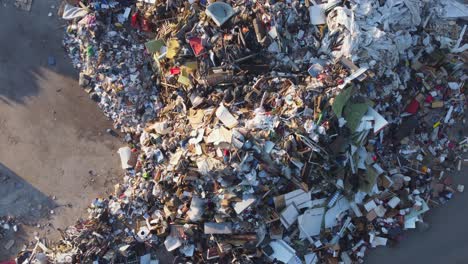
<point x="267" y="131"/>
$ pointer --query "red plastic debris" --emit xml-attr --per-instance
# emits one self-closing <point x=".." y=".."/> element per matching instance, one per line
<point x="196" y="44"/>
<point x="175" y="70"/>
<point x="145" y="25"/>
<point x="413" y="107"/>
<point x="429" y="99"/>
<point x="451" y="145"/>
<point x="134" y="21"/>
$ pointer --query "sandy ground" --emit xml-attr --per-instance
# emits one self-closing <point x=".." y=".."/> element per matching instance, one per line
<point x="53" y="139"/>
<point x="53" y="144"/>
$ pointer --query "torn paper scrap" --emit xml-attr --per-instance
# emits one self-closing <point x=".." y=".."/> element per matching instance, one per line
<point x="379" y="121"/>
<point x="317" y="14"/>
<point x="247" y="200"/>
<point x="226" y="117"/>
<point x="219" y="135"/>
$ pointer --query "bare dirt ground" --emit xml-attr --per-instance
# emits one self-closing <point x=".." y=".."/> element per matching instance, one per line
<point x="53" y="140"/>
<point x="53" y="143"/>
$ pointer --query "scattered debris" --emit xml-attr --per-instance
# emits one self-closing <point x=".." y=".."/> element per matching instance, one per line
<point x="268" y="131"/>
<point x="24" y="4"/>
